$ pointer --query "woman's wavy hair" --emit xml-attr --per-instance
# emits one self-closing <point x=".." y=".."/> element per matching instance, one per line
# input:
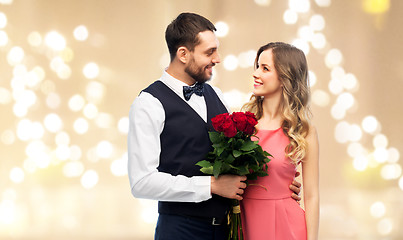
<point x="292" y="69"/>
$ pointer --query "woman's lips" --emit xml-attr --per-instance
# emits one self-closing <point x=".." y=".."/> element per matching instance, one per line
<point x="257" y="84"/>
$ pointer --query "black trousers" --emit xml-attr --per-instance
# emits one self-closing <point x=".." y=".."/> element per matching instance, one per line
<point x="174" y="227"/>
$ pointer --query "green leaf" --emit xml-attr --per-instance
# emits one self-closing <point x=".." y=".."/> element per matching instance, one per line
<point x="204" y="164"/>
<point x="217" y="168"/>
<point x="236" y="153"/>
<point x="220" y="150"/>
<point x="208" y="171"/>
<point x="215" y="137"/>
<point x="244" y="170"/>
<point x="230" y="158"/>
<point x="225" y="168"/>
<point x="249" y="145"/>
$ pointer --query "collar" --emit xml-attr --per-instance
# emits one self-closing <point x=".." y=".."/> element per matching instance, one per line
<point x="173" y="83"/>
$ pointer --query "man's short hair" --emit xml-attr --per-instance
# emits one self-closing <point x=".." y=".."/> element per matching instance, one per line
<point x="184" y="30"/>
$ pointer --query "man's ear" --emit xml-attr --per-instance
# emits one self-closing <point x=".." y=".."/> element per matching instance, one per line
<point x="182" y="54"/>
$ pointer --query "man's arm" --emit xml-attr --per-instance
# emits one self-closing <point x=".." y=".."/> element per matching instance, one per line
<point x="146" y="122"/>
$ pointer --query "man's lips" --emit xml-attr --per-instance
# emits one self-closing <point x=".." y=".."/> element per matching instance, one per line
<point x="210" y="68"/>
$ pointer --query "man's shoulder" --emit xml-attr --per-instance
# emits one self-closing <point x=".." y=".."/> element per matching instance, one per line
<point x="215" y="89"/>
<point x="155" y="84"/>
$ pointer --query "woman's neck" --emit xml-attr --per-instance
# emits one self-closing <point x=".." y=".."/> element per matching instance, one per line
<point x="271" y="117"/>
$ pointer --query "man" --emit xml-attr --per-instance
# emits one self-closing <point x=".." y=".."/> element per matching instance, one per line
<point x="168" y="135"/>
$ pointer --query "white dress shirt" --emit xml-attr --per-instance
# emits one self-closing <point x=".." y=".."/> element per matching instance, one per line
<point x="147" y="118"/>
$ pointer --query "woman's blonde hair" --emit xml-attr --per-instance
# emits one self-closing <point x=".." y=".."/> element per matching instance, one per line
<point x="292" y="69"/>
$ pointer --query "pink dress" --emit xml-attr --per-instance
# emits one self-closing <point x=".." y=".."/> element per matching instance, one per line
<point x="272" y="214"/>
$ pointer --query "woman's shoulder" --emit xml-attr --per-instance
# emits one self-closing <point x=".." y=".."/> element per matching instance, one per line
<point x="312" y="134"/>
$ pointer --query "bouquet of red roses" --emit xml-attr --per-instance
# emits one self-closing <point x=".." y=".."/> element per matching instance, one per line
<point x="235" y="153"/>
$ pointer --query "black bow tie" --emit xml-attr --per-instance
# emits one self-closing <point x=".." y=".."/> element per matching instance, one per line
<point x="197" y="89"/>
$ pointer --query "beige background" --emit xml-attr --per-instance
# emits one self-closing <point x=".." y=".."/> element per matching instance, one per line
<point x="126" y="41"/>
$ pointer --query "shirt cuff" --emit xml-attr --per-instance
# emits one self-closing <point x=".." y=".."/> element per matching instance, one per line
<point x="203" y="186"/>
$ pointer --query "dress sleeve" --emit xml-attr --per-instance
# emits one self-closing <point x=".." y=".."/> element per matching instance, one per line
<point x="146" y="122"/>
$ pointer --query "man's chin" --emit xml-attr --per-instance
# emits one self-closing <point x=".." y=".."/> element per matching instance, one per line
<point x="204" y="79"/>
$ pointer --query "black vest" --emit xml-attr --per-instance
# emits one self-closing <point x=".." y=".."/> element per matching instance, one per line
<point x="184" y="142"/>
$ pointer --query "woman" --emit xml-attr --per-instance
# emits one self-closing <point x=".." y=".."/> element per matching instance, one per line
<point x="280" y="102"/>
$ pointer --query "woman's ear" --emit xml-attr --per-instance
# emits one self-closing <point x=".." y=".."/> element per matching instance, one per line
<point x="183" y="54"/>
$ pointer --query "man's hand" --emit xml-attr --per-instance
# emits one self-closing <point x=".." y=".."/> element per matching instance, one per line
<point x="228" y="186"/>
<point x="296" y="188"/>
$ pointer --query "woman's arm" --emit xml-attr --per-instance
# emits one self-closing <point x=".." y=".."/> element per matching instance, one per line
<point x="310" y="178"/>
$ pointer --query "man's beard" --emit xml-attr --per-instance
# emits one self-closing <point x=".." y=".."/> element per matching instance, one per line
<point x="197" y="73"/>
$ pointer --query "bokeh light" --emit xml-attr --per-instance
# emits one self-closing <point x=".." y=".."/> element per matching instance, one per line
<point x="73" y="169"/>
<point x="222" y="29"/>
<point x="391" y="171"/>
<point x="81" y="125"/>
<point x="8" y="137"/>
<point x="75" y="153"/>
<point x="104" y="120"/>
<point x="35" y="39"/>
<point x="6" y="2"/>
<point x="401" y="183"/>
<point x="318" y="41"/>
<point x="76" y="103"/>
<point x="149" y="213"/>
<point x="15" y="56"/>
<point x="301" y="44"/>
<point x="394" y="155"/>
<point x="263" y="2"/>
<point x="385" y="226"/>
<point x="53" y="122"/>
<point x="89" y="179"/>
<point x="230" y="62"/>
<point x="290" y="17"/>
<point x="236" y="98"/>
<point x="90" y="111"/>
<point x="104" y="149"/>
<point x="119" y="166"/>
<point x="95" y="91"/>
<point x="376" y="6"/>
<point x="369" y="124"/>
<point x="380" y="155"/>
<point x="380" y="141"/>
<point x="3" y="20"/>
<point x="91" y="70"/>
<point x="5" y="96"/>
<point x="246" y="59"/>
<point x="55" y="41"/>
<point x="123" y="125"/>
<point x="323" y="3"/>
<point x="320" y="98"/>
<point x="360" y="163"/>
<point x="378" y="209"/>
<point x="333" y="58"/>
<point x="53" y="100"/>
<point x="300" y="6"/>
<point x="80" y="33"/>
<point x="17" y="175"/>
<point x="317" y="22"/>
<point x="3" y="38"/>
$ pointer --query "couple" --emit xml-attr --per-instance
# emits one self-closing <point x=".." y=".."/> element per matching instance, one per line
<point x="168" y="135"/>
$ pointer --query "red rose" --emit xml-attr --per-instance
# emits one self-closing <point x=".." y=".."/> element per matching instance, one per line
<point x="218" y="121"/>
<point x="240" y="120"/>
<point x="251" y="123"/>
<point x="229" y="127"/>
